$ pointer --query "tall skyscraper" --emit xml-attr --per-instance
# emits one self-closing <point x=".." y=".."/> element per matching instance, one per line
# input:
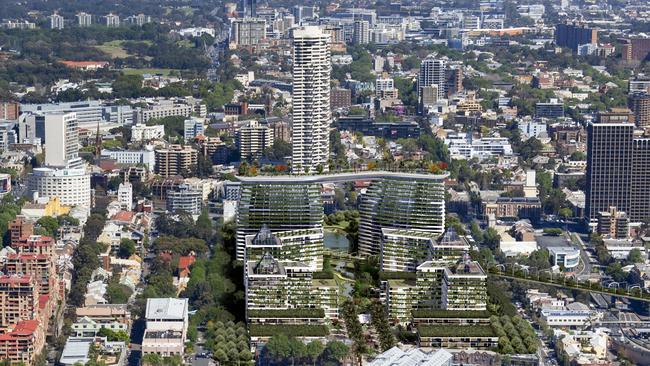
<point x="312" y="116"/>
<point x="618" y="168"/>
<point x="61" y="139"/>
<point x="433" y="73"/>
<point x="248" y="8"/>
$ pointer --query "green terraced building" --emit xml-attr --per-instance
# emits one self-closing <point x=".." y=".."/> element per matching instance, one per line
<point x="281" y="206"/>
<point x="404" y="250"/>
<point x="400" y="203"/>
<point x="302" y="245"/>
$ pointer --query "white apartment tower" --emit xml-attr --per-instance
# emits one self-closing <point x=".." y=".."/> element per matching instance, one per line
<point x="433" y="72"/>
<point x="84" y="19"/>
<point x="312" y="66"/>
<point x="56" y="21"/>
<point x="61" y="139"/>
<point x="125" y="195"/>
<point x="112" y="20"/>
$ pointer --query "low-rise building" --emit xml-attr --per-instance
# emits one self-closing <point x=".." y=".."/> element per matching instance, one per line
<point x="566" y="258"/>
<point x="166" y="326"/>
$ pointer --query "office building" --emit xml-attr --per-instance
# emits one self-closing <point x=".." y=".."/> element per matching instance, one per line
<point x="361" y="33"/>
<point x="639" y="104"/>
<point x="550" y="109"/>
<point x="56" y="21"/>
<point x="166" y="327"/>
<point x="301" y="13"/>
<point x="400" y="203"/>
<point x="247" y="32"/>
<point x="252" y="139"/>
<point x="89" y="113"/>
<point x="84" y="19"/>
<point x="184" y="199"/>
<point x="639" y="209"/>
<point x="167" y="108"/>
<point x="176" y="160"/>
<point x="193" y="127"/>
<point x="433" y="73"/>
<point x="636" y="49"/>
<point x="311" y="100"/>
<point x="70" y="185"/>
<point x="61" y="139"/>
<point x="125" y="195"/>
<point x="514" y="208"/>
<point x="112" y="20"/>
<point x="247" y="8"/>
<point x="572" y="35"/>
<point x="278" y="206"/>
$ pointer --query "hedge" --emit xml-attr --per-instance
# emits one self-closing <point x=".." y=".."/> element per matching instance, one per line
<point x="265" y="330"/>
<point x="455" y="331"/>
<point x="286" y="313"/>
<point x="323" y="275"/>
<point x="463" y="314"/>
<point x="397" y="275"/>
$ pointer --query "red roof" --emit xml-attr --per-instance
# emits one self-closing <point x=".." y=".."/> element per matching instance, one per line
<point x="185" y="262"/>
<point x="24" y="257"/>
<point x="125" y="216"/>
<point x="15" y="279"/>
<point x="43" y="300"/>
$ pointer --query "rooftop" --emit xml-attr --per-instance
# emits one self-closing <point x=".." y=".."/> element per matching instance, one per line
<point x="167" y="309"/>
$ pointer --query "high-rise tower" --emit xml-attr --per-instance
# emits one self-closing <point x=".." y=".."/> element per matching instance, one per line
<point x="311" y="100"/>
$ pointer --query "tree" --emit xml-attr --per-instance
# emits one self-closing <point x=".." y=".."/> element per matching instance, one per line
<point x="279" y="347"/>
<point x="492" y="239"/>
<point x="635" y="256"/>
<point x="565" y="212"/>
<point x="49" y="224"/>
<point x="127" y="248"/>
<point x="336" y="351"/>
<point x="314" y="350"/>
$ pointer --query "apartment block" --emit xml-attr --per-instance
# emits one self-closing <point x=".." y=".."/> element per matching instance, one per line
<point x="176" y="160"/>
<point x="19" y="300"/>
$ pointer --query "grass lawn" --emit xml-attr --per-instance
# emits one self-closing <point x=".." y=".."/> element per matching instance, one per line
<point x="115" y="49"/>
<point x="164" y="72"/>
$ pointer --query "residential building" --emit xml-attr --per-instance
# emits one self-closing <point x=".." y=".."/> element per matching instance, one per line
<point x="514" y="207"/>
<point x="613" y="224"/>
<point x="361" y="34"/>
<point x="9" y="110"/>
<point x="304" y="246"/>
<point x="56" y="21"/>
<point x="61" y="140"/>
<point x="252" y="139"/>
<point x="311" y="100"/>
<point x="247" y="32"/>
<point x="465" y="286"/>
<point x="125" y="195"/>
<point x="572" y="35"/>
<point x="166" y="326"/>
<point x="112" y="20"/>
<point x="146" y="157"/>
<point x="281" y="130"/>
<point x="84" y="19"/>
<point x="193" y="127"/>
<point x="638" y="84"/>
<point x="279" y="206"/>
<point x="636" y="49"/>
<point x="141" y="132"/>
<point x="404" y="250"/>
<point x="19" y="300"/>
<point x="433" y="72"/>
<point x="23" y="343"/>
<point x="41" y="266"/>
<point x="639" y="104"/>
<point x="70" y="185"/>
<point x="168" y="108"/>
<point x="466" y="146"/>
<point x="340" y="98"/>
<point x="184" y="199"/>
<point x="176" y="160"/>
<point x="20" y="228"/>
<point x="400" y="203"/>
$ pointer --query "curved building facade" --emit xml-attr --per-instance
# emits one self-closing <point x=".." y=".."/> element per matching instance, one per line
<point x="71" y="186"/>
<point x="396" y="203"/>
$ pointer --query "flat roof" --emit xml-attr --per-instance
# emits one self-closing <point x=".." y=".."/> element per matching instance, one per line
<point x="167" y="308"/>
